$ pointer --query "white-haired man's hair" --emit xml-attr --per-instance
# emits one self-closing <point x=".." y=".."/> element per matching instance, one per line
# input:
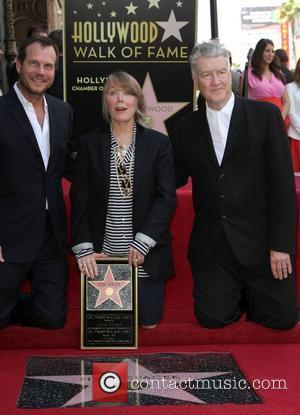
<point x="207" y="50"/>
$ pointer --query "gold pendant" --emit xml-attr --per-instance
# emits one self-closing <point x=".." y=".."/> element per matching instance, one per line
<point x="122" y="150"/>
<point x="126" y="191"/>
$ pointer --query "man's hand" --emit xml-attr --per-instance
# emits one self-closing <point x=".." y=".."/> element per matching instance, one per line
<point x="1" y="255"/>
<point x="280" y="264"/>
<point x="87" y="264"/>
<point x="135" y="257"/>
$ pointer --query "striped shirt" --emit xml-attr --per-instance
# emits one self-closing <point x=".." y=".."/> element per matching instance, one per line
<point x="118" y="234"/>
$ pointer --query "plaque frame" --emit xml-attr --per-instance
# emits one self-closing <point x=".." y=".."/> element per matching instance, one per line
<point x="114" y="313"/>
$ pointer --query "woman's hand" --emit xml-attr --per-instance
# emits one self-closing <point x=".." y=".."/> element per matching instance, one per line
<point x="87" y="264"/>
<point x="1" y="255"/>
<point x="135" y="257"/>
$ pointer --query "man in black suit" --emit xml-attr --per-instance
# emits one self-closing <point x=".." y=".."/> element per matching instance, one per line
<point x="243" y="239"/>
<point x="34" y="134"/>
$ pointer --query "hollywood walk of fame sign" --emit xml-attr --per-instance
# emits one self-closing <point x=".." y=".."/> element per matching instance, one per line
<point x="109" y="306"/>
<point x="150" y="39"/>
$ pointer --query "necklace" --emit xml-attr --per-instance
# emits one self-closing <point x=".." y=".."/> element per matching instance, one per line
<point x="124" y="174"/>
<point x="122" y="149"/>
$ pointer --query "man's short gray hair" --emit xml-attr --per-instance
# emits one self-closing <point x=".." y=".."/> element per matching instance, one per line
<point x="207" y="50"/>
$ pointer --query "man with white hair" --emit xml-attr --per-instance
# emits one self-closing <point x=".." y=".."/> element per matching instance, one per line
<point x="243" y="239"/>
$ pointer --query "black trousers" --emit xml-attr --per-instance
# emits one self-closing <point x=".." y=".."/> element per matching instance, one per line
<point x="46" y="305"/>
<point x="226" y="290"/>
<point x="150" y="300"/>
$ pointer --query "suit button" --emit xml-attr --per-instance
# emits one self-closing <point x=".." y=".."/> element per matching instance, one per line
<point x="224" y="217"/>
<point x="222" y="175"/>
<point x="222" y="196"/>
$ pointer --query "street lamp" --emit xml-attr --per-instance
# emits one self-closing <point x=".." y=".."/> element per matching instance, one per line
<point x="214" y="19"/>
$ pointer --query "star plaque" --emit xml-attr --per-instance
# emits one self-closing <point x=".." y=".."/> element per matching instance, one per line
<point x="162" y="379"/>
<point x="109" y="306"/>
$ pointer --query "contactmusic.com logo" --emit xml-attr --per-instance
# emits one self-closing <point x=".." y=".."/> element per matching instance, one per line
<point x="110" y="382"/>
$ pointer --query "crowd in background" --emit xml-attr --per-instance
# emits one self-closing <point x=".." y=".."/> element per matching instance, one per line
<point x="267" y="78"/>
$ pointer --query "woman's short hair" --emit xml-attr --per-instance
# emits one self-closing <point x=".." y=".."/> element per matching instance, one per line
<point x="122" y="80"/>
<point x="207" y="50"/>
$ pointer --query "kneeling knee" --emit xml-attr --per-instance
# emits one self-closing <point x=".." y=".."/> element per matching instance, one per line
<point x="283" y="318"/>
<point x="286" y="323"/>
<point x="215" y="321"/>
<point x="44" y="322"/>
<point x="55" y="324"/>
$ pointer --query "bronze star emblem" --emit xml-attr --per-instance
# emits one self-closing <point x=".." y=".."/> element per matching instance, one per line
<point x="109" y="288"/>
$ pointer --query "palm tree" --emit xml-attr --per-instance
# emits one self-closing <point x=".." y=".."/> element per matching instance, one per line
<point x="289" y="12"/>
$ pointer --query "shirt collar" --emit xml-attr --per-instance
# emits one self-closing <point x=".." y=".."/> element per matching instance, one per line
<point x="23" y="100"/>
<point x="227" y="109"/>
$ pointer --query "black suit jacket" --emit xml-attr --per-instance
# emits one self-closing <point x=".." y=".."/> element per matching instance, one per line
<point x="251" y="196"/>
<point x="153" y="193"/>
<point x="24" y="183"/>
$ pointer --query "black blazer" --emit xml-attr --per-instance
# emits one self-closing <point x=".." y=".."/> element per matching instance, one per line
<point x="251" y="196"/>
<point x="24" y="183"/>
<point x="153" y="194"/>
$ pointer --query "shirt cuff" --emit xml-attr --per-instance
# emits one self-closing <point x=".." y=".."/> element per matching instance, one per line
<point x="83" y="249"/>
<point x="141" y="247"/>
<point x="141" y="237"/>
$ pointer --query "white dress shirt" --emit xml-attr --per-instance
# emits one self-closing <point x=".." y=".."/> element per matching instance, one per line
<point x="219" y="122"/>
<point x="293" y="91"/>
<point x="42" y="133"/>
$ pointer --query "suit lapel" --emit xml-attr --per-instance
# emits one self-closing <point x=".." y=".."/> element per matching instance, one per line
<point x="139" y="156"/>
<point x="205" y="139"/>
<point x="105" y="146"/>
<point x="236" y="129"/>
<point x="21" y="118"/>
<point x="54" y="126"/>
